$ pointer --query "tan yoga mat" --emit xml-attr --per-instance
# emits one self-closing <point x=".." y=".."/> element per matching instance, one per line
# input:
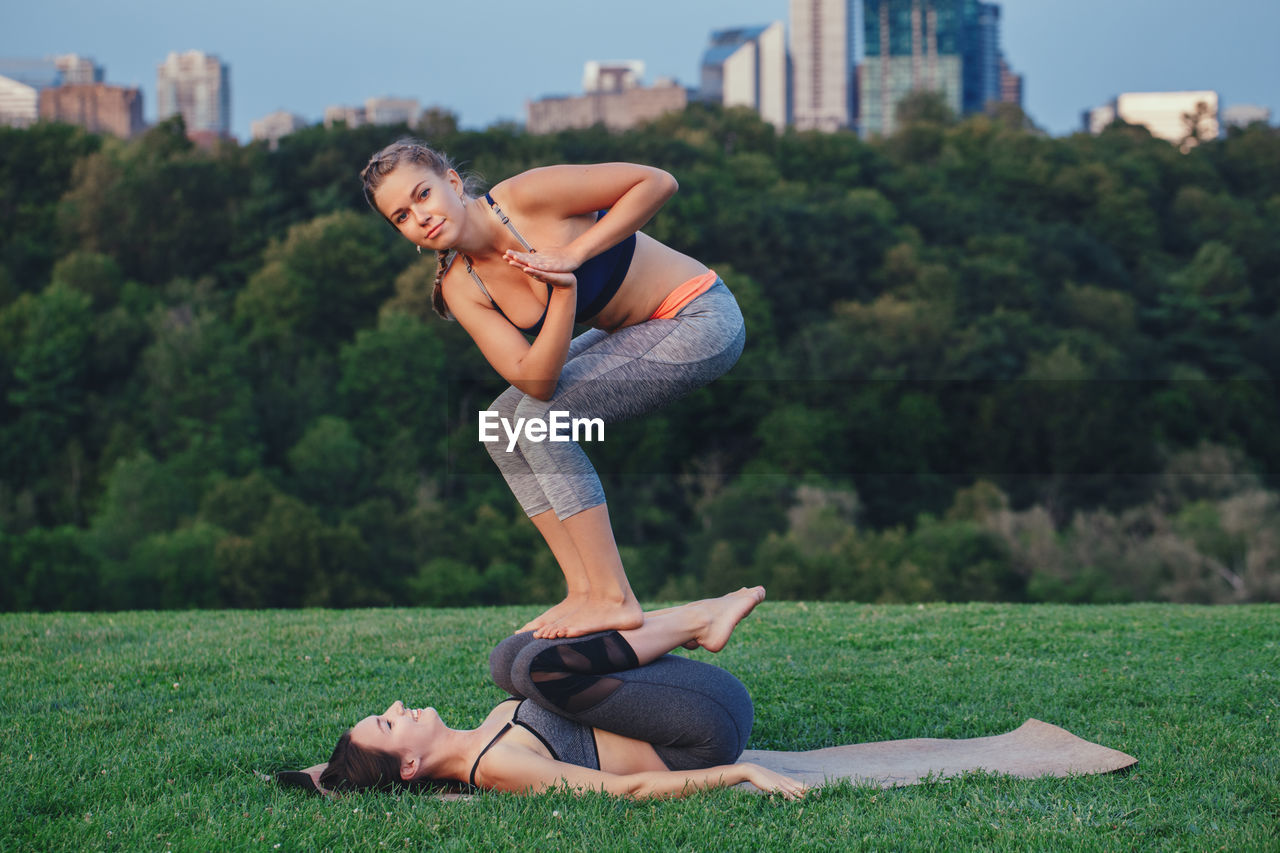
<point x="1032" y="750"/>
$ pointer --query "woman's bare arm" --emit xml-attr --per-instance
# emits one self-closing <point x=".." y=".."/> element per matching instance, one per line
<point x="533" y="368"/>
<point x="632" y="193"/>
<point x="520" y="771"/>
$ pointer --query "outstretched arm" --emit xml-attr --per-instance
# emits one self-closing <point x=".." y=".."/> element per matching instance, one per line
<point x="522" y="772"/>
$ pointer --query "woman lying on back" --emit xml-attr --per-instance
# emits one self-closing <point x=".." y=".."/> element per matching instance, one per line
<point x="607" y="712"/>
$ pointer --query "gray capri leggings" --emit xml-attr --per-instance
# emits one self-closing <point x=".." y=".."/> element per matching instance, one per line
<point x="694" y="714"/>
<point x="614" y="376"/>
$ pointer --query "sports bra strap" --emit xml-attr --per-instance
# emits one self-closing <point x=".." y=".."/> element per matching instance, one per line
<point x="505" y="729"/>
<point x="506" y="220"/>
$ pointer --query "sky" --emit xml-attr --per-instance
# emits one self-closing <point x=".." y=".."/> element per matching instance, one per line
<point x="485" y="60"/>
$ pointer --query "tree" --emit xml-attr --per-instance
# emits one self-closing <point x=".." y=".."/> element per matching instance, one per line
<point x="47" y="342"/>
<point x="36" y="167"/>
<point x="322" y="282"/>
<point x="160" y="207"/>
<point x="392" y="380"/>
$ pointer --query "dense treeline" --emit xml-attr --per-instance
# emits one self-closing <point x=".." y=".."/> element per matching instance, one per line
<point x="982" y="363"/>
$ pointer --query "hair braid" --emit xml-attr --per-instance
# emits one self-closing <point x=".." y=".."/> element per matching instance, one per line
<point x="437" y="291"/>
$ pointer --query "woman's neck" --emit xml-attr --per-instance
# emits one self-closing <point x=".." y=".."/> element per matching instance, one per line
<point x="479" y="238"/>
<point x="454" y="751"/>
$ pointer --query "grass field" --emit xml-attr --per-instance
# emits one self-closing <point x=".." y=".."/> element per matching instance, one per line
<point x="153" y="731"/>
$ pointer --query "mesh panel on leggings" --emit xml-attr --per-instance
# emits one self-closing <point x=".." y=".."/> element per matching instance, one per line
<point x="566" y="674"/>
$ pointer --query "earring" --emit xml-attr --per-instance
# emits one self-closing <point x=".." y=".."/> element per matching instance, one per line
<point x="419" y="250"/>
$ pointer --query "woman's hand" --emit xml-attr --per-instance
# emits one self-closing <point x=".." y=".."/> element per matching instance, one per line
<point x="554" y="266"/>
<point x="771" y="782"/>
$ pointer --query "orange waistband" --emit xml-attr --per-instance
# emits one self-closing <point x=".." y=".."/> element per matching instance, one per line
<point x="684" y="294"/>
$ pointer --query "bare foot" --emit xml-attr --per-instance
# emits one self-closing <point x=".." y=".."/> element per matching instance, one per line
<point x="725" y="614"/>
<point x="595" y="615"/>
<point x="555" y="613"/>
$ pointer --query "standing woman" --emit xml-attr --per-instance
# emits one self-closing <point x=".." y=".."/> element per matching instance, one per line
<point x="541" y="251"/>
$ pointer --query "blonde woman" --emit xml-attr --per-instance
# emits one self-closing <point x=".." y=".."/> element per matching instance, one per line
<point x="518" y="266"/>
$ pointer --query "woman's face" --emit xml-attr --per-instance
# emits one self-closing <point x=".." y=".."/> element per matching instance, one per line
<point x="407" y="733"/>
<point x="427" y="207"/>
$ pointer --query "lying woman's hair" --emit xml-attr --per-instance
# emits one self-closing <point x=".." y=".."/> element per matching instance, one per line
<point x="353" y="767"/>
<point x="417" y="152"/>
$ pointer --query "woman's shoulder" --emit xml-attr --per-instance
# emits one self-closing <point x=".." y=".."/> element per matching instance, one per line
<point x="504" y="710"/>
<point x="455" y="282"/>
<point x="523" y="191"/>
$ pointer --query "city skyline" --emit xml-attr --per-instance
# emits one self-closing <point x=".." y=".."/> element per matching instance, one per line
<point x="304" y="57"/>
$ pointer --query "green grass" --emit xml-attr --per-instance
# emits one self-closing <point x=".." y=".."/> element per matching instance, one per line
<point x="152" y="731"/>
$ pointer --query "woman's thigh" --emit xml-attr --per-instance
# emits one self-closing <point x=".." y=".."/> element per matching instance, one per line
<point x="641" y="368"/>
<point x="693" y="713"/>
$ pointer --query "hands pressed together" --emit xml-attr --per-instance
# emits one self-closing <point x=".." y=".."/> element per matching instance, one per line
<point x="554" y="266"/>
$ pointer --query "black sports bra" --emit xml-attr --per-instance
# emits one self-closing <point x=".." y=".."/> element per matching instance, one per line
<point x="567" y="741"/>
<point x="599" y="277"/>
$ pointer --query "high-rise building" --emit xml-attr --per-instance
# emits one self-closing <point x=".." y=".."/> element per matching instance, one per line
<point x="19" y="102"/>
<point x="1010" y="84"/>
<point x="78" y="70"/>
<point x="275" y="125"/>
<point x="824" y="55"/>
<point x="196" y="85"/>
<point x="22" y="81"/>
<point x="96" y="107"/>
<point x="747" y="67"/>
<point x="951" y="47"/>
<point x="981" y="57"/>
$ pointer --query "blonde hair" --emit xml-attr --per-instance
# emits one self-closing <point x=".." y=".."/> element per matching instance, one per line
<point x="414" y="151"/>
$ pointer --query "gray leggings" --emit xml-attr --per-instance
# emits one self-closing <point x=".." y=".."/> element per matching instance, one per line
<point x="614" y="376"/>
<point x="694" y="714"/>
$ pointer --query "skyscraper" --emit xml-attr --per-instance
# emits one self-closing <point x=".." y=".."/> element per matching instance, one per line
<point x="951" y="47"/>
<point x="824" y="42"/>
<point x="747" y="67"/>
<point x="198" y="86"/>
<point x="981" y="54"/>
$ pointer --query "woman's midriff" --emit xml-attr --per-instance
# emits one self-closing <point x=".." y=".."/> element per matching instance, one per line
<point x="648" y="285"/>
<point x="684" y="294"/>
